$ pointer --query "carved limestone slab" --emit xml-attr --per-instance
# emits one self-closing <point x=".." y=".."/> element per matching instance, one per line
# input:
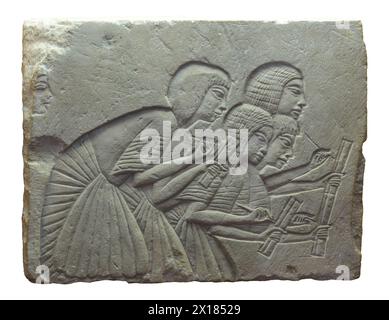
<point x="193" y="151"/>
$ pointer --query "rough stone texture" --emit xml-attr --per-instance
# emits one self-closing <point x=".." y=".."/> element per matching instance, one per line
<point x="90" y="88"/>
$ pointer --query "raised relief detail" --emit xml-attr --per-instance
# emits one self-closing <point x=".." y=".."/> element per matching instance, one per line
<point x="43" y="95"/>
<point x="119" y="205"/>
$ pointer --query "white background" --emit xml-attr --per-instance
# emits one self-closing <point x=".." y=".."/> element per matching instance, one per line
<point x="374" y="281"/>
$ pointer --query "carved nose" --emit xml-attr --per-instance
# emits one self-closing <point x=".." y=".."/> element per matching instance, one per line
<point x="288" y="154"/>
<point x="302" y="103"/>
<point x="222" y="108"/>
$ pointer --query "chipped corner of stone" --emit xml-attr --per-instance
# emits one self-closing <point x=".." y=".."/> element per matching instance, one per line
<point x="42" y="42"/>
<point x="358" y="24"/>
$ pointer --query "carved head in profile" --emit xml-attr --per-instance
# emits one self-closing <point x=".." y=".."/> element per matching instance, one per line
<point x="258" y="123"/>
<point x="276" y="87"/>
<point x="43" y="94"/>
<point x="198" y="91"/>
<point x="280" y="150"/>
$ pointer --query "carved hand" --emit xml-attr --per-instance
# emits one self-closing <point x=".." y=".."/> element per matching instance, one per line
<point x="302" y="223"/>
<point x="322" y="231"/>
<point x="302" y="218"/>
<point x="275" y="233"/>
<point x="318" y="157"/>
<point x="259" y="215"/>
<point x="333" y="178"/>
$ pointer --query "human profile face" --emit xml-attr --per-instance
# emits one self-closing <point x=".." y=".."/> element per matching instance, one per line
<point x="258" y="144"/>
<point x="293" y="99"/>
<point x="43" y="94"/>
<point x="213" y="104"/>
<point x="280" y="150"/>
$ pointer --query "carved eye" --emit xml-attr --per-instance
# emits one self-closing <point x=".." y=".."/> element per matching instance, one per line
<point x="218" y="93"/>
<point x="42" y="82"/>
<point x="295" y="91"/>
<point x="260" y="136"/>
<point x="286" y="142"/>
<point x="41" y="85"/>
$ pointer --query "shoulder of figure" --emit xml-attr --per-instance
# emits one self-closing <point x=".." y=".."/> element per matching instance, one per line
<point x="155" y="113"/>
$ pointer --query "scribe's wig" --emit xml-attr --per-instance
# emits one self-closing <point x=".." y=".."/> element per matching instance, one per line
<point x="190" y="84"/>
<point x="266" y="84"/>
<point x="247" y="116"/>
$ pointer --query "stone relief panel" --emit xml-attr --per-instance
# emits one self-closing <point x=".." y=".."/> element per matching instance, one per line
<point x="209" y="160"/>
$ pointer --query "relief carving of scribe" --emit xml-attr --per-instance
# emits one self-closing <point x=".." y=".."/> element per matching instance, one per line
<point x="234" y="206"/>
<point x="94" y="223"/>
<point x="108" y="214"/>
